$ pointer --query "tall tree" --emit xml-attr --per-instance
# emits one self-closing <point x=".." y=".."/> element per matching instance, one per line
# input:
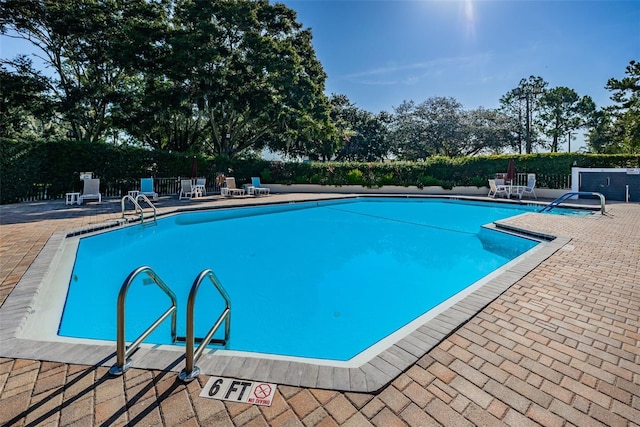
<point x="433" y="127"/>
<point x="523" y="103"/>
<point x="563" y="111"/>
<point x="626" y="95"/>
<point x="83" y="42"/>
<point x="26" y="110"/>
<point x="488" y="131"/>
<point x="513" y="107"/>
<point x="244" y="75"/>
<point x="604" y="136"/>
<point x="364" y="134"/>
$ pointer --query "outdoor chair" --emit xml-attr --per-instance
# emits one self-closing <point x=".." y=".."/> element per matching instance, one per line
<point x="146" y="188"/>
<point x="256" y="188"/>
<point x="188" y="190"/>
<point x="495" y="189"/>
<point x="231" y="189"/>
<point x="90" y="191"/>
<point x="531" y="183"/>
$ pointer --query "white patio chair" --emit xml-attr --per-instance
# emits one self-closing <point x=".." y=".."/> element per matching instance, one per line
<point x="495" y="189"/>
<point x="231" y="189"/>
<point x="90" y="191"/>
<point x="188" y="190"/>
<point x="531" y="183"/>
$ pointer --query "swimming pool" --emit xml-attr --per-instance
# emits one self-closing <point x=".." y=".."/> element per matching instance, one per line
<point x="31" y="314"/>
<point x="322" y="280"/>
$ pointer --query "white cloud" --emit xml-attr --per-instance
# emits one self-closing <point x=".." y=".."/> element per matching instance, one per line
<point x="418" y="72"/>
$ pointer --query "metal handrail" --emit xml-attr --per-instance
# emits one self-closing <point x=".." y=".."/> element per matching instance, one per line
<point x="146" y="199"/>
<point x="191" y="371"/>
<point x="122" y="352"/>
<point x="135" y="204"/>
<point x="567" y="196"/>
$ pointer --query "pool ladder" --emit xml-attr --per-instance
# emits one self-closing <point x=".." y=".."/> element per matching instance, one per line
<point x="567" y="196"/>
<point x="138" y="208"/>
<point x="191" y="371"/>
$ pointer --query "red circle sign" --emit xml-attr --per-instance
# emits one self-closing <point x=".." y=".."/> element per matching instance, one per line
<point x="262" y="391"/>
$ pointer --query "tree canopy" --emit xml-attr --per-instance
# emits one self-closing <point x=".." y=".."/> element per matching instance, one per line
<point x="211" y="77"/>
<point x="563" y="111"/>
<point x="233" y="77"/>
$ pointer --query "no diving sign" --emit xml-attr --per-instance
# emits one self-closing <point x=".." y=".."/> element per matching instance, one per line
<point x="253" y="392"/>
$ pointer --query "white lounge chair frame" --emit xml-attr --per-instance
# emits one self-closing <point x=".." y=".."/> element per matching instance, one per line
<point x="256" y="187"/>
<point x="91" y="191"/>
<point x="230" y="189"/>
<point x="188" y="190"/>
<point x="201" y="185"/>
<point x="531" y="183"/>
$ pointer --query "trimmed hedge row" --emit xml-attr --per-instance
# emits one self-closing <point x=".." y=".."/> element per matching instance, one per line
<point x="30" y="170"/>
<point x="550" y="168"/>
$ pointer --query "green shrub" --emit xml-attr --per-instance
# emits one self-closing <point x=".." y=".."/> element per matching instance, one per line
<point x="266" y="176"/>
<point x="354" y="176"/>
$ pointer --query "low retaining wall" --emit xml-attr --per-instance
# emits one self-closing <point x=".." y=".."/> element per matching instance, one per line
<point x="545" y="193"/>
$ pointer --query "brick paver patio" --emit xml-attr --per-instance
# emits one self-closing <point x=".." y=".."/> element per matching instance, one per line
<point x="559" y="348"/>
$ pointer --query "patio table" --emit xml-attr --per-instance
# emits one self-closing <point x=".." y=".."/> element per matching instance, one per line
<point x="517" y="189"/>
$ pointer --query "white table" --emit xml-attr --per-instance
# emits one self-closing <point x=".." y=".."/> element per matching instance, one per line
<point x="133" y="194"/>
<point x="248" y="189"/>
<point x="72" y="199"/>
<point x="515" y="189"/>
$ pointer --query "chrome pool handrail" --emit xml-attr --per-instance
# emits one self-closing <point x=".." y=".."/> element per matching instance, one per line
<point x="190" y="370"/>
<point x="138" y="208"/>
<point x="567" y="196"/>
<point x="123" y="362"/>
<point x="146" y="199"/>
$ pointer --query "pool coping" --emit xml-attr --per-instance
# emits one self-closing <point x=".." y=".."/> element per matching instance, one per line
<point x="369" y="376"/>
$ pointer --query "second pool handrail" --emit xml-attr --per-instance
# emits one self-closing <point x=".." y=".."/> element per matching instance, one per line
<point x="190" y="370"/>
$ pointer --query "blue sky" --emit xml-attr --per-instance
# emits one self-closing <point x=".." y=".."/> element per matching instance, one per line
<point x="380" y="53"/>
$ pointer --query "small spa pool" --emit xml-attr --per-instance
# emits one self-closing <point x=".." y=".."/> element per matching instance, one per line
<point x="321" y="280"/>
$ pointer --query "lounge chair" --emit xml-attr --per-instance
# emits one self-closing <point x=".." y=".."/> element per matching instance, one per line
<point x="146" y="188"/>
<point x="201" y="184"/>
<point x="231" y="189"/>
<point x="256" y="188"/>
<point x="495" y="189"/>
<point x="531" y="183"/>
<point x="90" y="191"/>
<point x="188" y="190"/>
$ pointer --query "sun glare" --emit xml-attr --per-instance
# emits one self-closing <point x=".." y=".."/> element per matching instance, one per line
<point x="469" y="18"/>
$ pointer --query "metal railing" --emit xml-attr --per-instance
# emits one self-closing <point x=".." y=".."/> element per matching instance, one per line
<point x="123" y="362"/>
<point x="151" y="205"/>
<point x="567" y="196"/>
<point x="190" y="370"/>
<point x="117" y="188"/>
<point x="138" y="208"/>
<point x="556" y="181"/>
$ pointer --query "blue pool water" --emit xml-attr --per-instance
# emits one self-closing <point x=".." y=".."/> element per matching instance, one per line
<point x="321" y="280"/>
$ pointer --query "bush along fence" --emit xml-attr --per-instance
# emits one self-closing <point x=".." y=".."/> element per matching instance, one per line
<point x="47" y="170"/>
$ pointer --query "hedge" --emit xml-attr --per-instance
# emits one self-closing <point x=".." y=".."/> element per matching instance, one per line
<point x="52" y="168"/>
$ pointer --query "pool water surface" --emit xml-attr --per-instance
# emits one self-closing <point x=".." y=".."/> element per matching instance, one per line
<point x="321" y="280"/>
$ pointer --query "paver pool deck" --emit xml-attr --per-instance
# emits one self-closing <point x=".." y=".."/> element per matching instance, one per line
<point x="560" y="347"/>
